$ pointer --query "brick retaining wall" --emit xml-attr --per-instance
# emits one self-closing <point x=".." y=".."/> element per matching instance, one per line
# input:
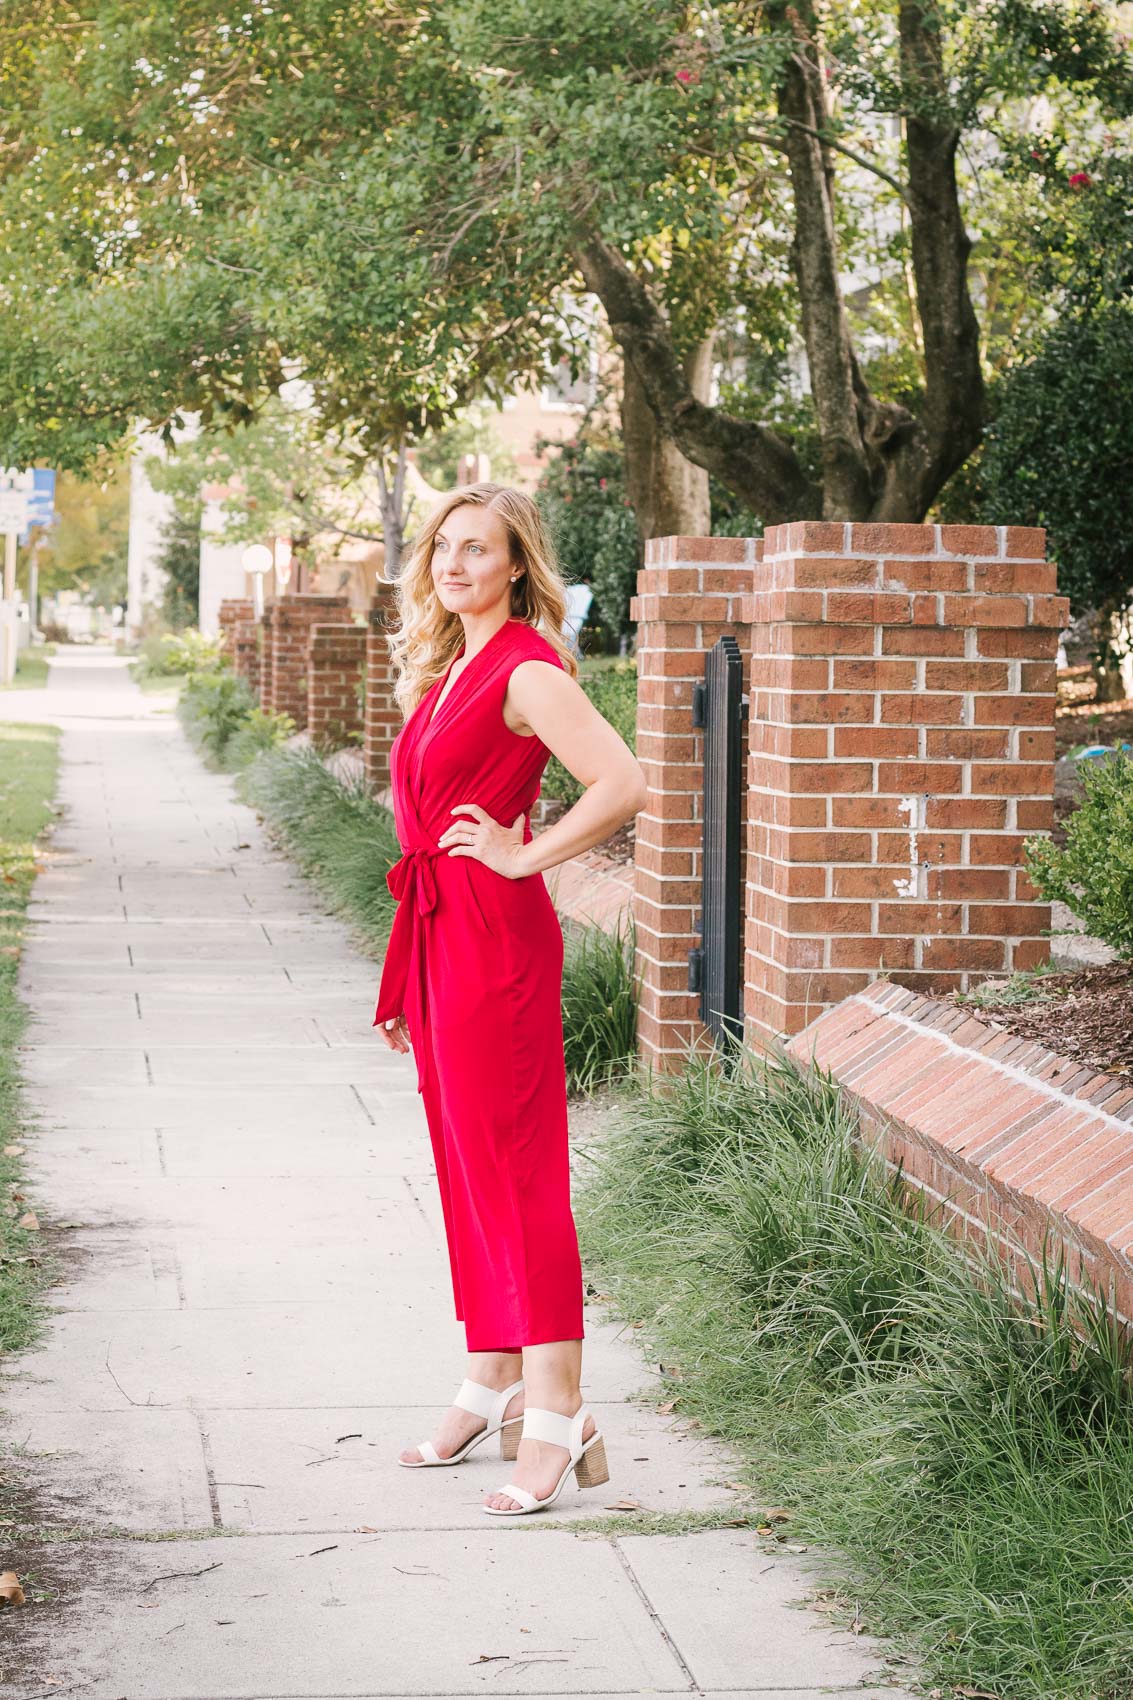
<point x="1012" y="1140"/>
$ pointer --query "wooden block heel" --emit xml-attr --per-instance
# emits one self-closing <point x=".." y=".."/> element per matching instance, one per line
<point x="588" y="1461"/>
<point x="510" y="1436"/>
<point x="591" y="1469"/>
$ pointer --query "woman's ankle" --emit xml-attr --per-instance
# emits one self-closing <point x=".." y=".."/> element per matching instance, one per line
<point x="495" y="1369"/>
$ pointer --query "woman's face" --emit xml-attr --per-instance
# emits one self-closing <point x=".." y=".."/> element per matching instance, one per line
<point x="472" y="563"/>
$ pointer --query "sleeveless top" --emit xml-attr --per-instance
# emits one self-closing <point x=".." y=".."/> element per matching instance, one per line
<point x="464" y="753"/>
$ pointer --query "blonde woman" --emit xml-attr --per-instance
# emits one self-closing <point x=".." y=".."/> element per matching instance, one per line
<point x="472" y="979"/>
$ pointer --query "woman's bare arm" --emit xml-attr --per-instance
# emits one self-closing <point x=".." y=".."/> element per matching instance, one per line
<point x="558" y="711"/>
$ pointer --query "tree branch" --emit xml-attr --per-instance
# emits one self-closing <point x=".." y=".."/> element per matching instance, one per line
<point x="751" y="459"/>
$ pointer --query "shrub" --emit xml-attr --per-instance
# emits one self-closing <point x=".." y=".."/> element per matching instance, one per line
<point x="212" y="708"/>
<point x="612" y="688"/>
<point x="259" y="732"/>
<point x="178" y="654"/>
<point x="1093" y="874"/>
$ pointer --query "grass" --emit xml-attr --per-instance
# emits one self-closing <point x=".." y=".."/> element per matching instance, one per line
<point x="31" y="667"/>
<point x="611" y="685"/>
<point x="28" y="768"/>
<point x="1025" y="986"/>
<point x="334" y="830"/>
<point x="967" y="1454"/>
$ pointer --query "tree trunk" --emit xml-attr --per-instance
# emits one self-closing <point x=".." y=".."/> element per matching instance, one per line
<point x="669" y="495"/>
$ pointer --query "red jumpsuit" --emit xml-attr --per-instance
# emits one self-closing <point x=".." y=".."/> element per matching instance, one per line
<point x="475" y="965"/>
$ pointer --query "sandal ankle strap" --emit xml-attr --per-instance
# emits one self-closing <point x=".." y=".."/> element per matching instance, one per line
<point x="554" y="1428"/>
<point x="486" y="1402"/>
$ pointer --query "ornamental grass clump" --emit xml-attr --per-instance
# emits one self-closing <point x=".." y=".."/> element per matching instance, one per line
<point x="962" y="1447"/>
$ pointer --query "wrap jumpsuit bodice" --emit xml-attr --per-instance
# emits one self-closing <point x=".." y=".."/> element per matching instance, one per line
<point x="474" y="964"/>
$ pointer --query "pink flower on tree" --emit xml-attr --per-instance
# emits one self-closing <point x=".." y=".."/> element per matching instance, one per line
<point x="685" y="77"/>
<point x="1080" y="180"/>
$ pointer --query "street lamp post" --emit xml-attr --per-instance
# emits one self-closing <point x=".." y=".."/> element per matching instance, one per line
<point x="257" y="560"/>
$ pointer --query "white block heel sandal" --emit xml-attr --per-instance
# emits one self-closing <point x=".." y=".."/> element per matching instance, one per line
<point x="483" y="1402"/>
<point x="587" y="1458"/>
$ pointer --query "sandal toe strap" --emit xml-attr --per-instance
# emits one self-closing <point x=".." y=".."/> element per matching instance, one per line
<point x="521" y="1496"/>
<point x="428" y="1452"/>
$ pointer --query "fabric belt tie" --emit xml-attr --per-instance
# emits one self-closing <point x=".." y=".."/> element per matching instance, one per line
<point x="413" y="882"/>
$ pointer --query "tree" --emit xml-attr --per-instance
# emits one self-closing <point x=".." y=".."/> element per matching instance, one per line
<point x="398" y="204"/>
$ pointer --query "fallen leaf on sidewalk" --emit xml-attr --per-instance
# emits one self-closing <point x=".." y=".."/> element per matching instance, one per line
<point x="11" y="1594"/>
<point x="625" y="1505"/>
<point x="14" y="1150"/>
<point x="367" y="1529"/>
<point x="29" y="1220"/>
<point x="777" y="1514"/>
<point x="667" y="1409"/>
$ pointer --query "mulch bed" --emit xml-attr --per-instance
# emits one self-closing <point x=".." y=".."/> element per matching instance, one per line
<point x="1085" y="1014"/>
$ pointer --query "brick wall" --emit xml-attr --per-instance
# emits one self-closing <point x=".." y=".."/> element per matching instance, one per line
<point x="244" y="651"/>
<point x="287" y="628"/>
<point x="336" y="658"/>
<point x="231" y="611"/>
<point x="901" y="747"/>
<point x="382" y="718"/>
<point x="689" y="595"/>
<point x="901" y="685"/>
<point x="1009" y="1141"/>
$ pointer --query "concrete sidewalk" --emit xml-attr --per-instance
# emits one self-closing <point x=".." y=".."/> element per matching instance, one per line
<point x="257" y="1316"/>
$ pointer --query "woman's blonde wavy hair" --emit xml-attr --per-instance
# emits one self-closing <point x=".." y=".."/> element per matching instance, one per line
<point x="428" y="635"/>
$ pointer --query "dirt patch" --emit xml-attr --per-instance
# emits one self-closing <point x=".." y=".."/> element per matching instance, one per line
<point x="1085" y="1014"/>
<point x="1082" y="720"/>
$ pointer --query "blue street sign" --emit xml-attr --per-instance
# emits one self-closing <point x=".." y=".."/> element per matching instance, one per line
<point x="41" y="500"/>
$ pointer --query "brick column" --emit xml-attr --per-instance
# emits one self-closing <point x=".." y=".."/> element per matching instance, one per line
<point x="231" y="611"/>
<point x="382" y="719"/>
<point x="290" y="619"/>
<point x="244" y="650"/>
<point x="689" y="594"/>
<point x="901" y="746"/>
<point x="336" y="658"/>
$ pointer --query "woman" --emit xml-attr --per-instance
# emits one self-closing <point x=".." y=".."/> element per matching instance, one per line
<point x="473" y="976"/>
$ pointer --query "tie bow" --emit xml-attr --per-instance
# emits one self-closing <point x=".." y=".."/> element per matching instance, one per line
<point x="415" y="867"/>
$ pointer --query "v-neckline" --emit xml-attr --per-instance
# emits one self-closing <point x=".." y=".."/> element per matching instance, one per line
<point x="441" y="699"/>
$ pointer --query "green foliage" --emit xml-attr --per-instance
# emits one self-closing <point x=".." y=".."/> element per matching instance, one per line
<point x="1060" y="453"/>
<point x="438" y="457"/>
<point x="29" y="758"/>
<point x="612" y="688"/>
<point x="259" y="732"/>
<point x="599" y="1005"/>
<point x="1093" y="873"/>
<point x="583" y="500"/>
<point x="213" y="707"/>
<point x="961" y="1448"/>
<point x="335" y="830"/>
<point x="180" y="560"/>
<point x="178" y="654"/>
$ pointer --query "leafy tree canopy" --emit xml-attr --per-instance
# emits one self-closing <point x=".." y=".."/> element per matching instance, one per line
<point x="197" y="200"/>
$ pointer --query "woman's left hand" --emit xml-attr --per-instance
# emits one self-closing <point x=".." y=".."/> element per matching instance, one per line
<point x="498" y="847"/>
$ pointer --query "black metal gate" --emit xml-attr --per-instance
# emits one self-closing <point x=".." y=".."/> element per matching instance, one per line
<point x="715" y="966"/>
